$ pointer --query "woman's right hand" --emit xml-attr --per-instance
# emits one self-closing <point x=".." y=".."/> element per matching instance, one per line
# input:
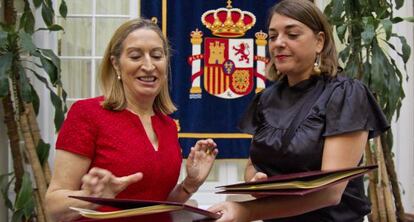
<point x="99" y="182"/>
<point x="258" y="176"/>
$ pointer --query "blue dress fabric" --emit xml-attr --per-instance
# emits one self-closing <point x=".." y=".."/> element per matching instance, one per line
<point x="345" y="105"/>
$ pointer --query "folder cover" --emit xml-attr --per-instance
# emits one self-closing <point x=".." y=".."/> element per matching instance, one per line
<point x="296" y="183"/>
<point x="145" y="210"/>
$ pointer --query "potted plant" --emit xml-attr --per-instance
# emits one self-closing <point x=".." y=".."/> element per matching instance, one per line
<point x="20" y="58"/>
<point x="365" y="28"/>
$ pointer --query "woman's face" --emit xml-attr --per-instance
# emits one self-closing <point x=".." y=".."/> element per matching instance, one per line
<point x="293" y="46"/>
<point x="142" y="64"/>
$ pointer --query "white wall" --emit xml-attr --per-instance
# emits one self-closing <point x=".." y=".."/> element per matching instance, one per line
<point x="403" y="129"/>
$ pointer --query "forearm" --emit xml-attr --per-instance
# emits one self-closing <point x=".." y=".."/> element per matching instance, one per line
<point x="181" y="193"/>
<point x="250" y="171"/>
<point x="287" y="206"/>
<point x="58" y="203"/>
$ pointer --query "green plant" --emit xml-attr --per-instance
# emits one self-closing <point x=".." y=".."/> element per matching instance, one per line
<point x="365" y="27"/>
<point x="20" y="58"/>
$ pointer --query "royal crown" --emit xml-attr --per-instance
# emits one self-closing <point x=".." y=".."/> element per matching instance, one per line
<point x="228" y="22"/>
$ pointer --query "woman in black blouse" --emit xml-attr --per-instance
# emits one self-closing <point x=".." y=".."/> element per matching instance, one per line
<point x="336" y="117"/>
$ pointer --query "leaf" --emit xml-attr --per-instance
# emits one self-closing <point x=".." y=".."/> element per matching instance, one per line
<point x="37" y="3"/>
<point x="399" y="4"/>
<point x="59" y="114"/>
<point x="396" y="20"/>
<point x="27" y="21"/>
<point x="369" y="32"/>
<point x="344" y="54"/>
<point x="25" y="193"/>
<point x="64" y="96"/>
<point x="42" y="151"/>
<point x="338" y="8"/>
<point x="60" y="108"/>
<point x="26" y="42"/>
<point x="35" y="101"/>
<point x="63" y="9"/>
<point x="50" y="68"/>
<point x="351" y="68"/>
<point x="405" y="48"/>
<point x="4" y="187"/>
<point x="55" y="27"/>
<point x="5" y="65"/>
<point x="40" y="78"/>
<point x="25" y="86"/>
<point x="53" y="57"/>
<point x="47" y="14"/>
<point x="17" y="216"/>
<point x="387" y="25"/>
<point x="341" y="30"/>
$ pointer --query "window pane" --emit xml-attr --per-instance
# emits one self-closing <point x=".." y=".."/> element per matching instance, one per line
<point x="76" y="77"/>
<point x="78" y="6"/>
<point x="121" y="7"/>
<point x="105" y="27"/>
<point x="241" y="167"/>
<point x="76" y="39"/>
<point x="97" y="86"/>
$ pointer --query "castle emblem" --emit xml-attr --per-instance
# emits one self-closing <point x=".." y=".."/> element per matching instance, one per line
<point x="230" y="65"/>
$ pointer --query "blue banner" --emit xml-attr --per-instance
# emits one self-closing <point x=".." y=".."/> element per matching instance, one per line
<point x="218" y="61"/>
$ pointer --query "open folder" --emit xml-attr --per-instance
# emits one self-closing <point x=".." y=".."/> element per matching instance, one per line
<point x="148" y="210"/>
<point x="296" y="183"/>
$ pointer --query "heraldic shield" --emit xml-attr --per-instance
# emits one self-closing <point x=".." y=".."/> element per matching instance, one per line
<point x="228" y="67"/>
<point x="232" y="66"/>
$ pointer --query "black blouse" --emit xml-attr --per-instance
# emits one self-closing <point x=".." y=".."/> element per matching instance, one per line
<point x="345" y="105"/>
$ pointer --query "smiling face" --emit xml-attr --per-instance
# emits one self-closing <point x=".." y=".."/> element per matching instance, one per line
<point x="293" y="47"/>
<point x="142" y="64"/>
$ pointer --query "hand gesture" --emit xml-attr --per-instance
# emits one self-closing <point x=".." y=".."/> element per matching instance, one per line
<point x="199" y="163"/>
<point x="102" y="183"/>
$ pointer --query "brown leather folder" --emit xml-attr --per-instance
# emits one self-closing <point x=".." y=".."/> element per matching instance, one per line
<point x="144" y="210"/>
<point x="296" y="183"/>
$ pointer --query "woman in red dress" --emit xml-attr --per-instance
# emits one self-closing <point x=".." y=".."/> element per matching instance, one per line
<point x="123" y="144"/>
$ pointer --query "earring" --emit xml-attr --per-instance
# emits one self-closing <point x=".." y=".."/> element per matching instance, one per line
<point x="317" y="65"/>
<point x="118" y="75"/>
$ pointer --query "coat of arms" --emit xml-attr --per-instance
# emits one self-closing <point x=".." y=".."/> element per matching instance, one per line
<point x="230" y="63"/>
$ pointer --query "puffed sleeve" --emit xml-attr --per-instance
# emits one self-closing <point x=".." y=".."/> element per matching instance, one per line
<point x="352" y="107"/>
<point x="251" y="118"/>
<point x="77" y="134"/>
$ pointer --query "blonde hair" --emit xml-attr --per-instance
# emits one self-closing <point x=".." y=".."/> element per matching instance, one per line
<point x="112" y="88"/>
<point x="307" y="13"/>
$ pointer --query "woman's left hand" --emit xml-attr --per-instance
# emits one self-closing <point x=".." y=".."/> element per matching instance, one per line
<point x="199" y="163"/>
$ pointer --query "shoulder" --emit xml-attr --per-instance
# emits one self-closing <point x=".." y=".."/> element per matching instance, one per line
<point x="87" y="104"/>
<point x="343" y="82"/>
<point x="86" y="108"/>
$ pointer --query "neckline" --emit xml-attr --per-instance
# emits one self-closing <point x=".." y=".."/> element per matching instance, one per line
<point x="133" y="112"/>
<point x="153" y="118"/>
<point x="303" y="85"/>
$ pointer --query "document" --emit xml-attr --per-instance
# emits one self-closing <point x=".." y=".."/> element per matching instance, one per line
<point x="133" y="208"/>
<point x="297" y="183"/>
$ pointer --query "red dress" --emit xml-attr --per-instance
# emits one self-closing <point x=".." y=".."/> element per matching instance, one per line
<point x="116" y="141"/>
